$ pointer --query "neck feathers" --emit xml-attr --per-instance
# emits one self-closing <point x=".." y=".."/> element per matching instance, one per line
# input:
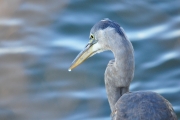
<point x="124" y="58"/>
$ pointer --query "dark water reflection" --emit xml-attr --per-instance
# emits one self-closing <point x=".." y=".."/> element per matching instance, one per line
<point x="39" y="40"/>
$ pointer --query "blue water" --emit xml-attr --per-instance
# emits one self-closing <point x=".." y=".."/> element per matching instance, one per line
<point x="39" y="40"/>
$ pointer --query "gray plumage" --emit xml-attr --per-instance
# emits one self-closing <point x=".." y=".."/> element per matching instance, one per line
<point x="108" y="35"/>
<point x="119" y="72"/>
<point x="143" y="106"/>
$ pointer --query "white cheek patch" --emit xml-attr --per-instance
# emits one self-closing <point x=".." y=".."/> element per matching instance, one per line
<point x="96" y="47"/>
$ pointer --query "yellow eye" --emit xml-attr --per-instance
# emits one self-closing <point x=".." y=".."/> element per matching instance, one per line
<point x="91" y="37"/>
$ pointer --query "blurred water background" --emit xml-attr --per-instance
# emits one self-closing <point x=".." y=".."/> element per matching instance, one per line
<point x="39" y="39"/>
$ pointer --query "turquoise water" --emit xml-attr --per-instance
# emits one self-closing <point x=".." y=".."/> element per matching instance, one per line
<point x="39" y="40"/>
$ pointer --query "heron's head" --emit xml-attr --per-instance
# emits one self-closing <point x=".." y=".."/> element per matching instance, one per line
<point x="99" y="40"/>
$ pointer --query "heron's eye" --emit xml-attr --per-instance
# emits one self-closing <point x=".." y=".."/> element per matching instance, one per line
<point x="91" y="37"/>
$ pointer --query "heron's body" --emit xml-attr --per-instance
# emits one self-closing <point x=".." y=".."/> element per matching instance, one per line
<point x="143" y="106"/>
<point x="108" y="35"/>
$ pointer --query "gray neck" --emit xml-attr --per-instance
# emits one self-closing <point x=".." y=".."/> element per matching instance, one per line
<point x="124" y="60"/>
<point x="119" y="73"/>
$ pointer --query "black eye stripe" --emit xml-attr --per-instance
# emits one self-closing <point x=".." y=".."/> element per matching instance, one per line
<point x="103" y="24"/>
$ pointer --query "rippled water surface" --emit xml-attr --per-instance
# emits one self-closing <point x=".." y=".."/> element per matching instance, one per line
<point x="39" y="40"/>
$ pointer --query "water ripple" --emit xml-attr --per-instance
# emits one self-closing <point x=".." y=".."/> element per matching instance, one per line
<point x="20" y="50"/>
<point x="10" y="22"/>
<point x="161" y="59"/>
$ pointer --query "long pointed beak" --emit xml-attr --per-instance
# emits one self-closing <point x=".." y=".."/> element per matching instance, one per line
<point x="82" y="56"/>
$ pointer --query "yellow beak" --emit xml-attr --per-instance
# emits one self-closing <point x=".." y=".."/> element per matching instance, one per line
<point x="88" y="51"/>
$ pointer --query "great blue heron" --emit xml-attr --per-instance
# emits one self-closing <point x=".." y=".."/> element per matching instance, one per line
<point x="125" y="105"/>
